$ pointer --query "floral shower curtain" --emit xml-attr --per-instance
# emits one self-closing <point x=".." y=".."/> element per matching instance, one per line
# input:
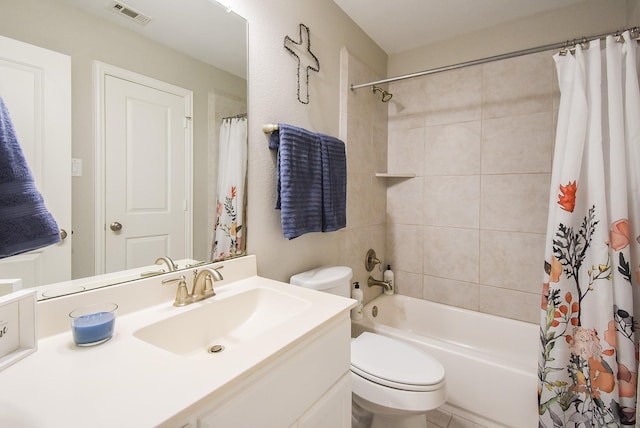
<point x="588" y="367"/>
<point x="229" y="230"/>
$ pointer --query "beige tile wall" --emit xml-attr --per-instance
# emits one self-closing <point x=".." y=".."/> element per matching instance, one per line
<point x="469" y="229"/>
<point x="364" y="123"/>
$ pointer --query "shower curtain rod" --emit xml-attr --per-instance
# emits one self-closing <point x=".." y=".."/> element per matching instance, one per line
<point x="566" y="44"/>
<point x="237" y="116"/>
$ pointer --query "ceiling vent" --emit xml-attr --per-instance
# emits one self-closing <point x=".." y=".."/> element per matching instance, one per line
<point x="126" y="10"/>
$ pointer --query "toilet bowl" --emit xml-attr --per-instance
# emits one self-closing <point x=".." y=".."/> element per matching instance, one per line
<point x="393" y="383"/>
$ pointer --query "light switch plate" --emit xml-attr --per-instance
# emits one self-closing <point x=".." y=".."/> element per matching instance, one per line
<point x="76" y="167"/>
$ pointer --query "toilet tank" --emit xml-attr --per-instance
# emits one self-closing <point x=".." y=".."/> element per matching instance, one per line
<point x="330" y="279"/>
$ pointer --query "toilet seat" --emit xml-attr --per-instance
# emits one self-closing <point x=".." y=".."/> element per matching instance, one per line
<point x="395" y="364"/>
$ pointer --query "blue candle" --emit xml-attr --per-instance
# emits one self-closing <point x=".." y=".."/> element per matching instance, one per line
<point x="92" y="328"/>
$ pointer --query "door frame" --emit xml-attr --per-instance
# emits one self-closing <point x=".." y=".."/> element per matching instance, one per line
<point x="100" y="71"/>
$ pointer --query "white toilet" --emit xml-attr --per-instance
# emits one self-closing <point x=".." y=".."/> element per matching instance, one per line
<point x="394" y="382"/>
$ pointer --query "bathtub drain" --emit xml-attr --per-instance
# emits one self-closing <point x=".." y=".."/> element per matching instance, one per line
<point x="374" y="311"/>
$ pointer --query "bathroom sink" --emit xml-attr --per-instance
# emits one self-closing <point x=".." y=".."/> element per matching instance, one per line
<point x="222" y="323"/>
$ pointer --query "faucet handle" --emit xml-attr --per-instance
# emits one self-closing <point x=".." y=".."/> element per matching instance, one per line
<point x="182" y="295"/>
<point x="207" y="290"/>
<point x="371" y="260"/>
<point x="217" y="276"/>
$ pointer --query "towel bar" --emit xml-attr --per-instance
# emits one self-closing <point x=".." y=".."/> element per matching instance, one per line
<point x="268" y="128"/>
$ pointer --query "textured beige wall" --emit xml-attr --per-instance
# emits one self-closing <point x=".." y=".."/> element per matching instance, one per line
<point x="69" y="31"/>
<point x="633" y="13"/>
<point x="586" y="18"/>
<point x="273" y="98"/>
<point x="365" y="120"/>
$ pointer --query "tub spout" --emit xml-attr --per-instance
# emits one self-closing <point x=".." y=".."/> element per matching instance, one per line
<point x="373" y="282"/>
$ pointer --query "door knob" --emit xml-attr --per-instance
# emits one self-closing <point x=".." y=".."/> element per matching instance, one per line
<point x="63" y="234"/>
<point x="115" y="226"/>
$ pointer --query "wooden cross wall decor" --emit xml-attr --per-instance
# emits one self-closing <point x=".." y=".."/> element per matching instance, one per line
<point x="307" y="61"/>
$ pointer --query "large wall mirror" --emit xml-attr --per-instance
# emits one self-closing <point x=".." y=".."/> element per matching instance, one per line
<point x="196" y="46"/>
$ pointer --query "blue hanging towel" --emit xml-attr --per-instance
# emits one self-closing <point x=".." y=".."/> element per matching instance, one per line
<point x="25" y="223"/>
<point x="299" y="186"/>
<point x="334" y="183"/>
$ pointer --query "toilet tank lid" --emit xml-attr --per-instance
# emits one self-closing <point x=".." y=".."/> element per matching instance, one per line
<point x="323" y="278"/>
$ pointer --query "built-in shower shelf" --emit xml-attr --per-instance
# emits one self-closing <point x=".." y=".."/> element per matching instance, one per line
<point x="395" y="175"/>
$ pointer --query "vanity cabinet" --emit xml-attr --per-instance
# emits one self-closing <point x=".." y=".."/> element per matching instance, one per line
<point x="332" y="410"/>
<point x="305" y="386"/>
<point x="285" y="363"/>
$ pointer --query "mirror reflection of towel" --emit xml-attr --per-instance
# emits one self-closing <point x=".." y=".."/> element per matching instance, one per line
<point x="25" y="223"/>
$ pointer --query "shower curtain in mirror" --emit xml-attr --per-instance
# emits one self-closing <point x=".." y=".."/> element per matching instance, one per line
<point x="588" y="367"/>
<point x="229" y="229"/>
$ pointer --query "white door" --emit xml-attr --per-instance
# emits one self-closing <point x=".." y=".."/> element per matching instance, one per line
<point x="35" y="84"/>
<point x="147" y="174"/>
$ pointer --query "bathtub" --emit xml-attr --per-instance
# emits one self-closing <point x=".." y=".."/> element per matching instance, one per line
<point x="490" y="362"/>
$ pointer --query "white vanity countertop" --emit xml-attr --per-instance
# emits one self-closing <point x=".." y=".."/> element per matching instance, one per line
<point x="128" y="382"/>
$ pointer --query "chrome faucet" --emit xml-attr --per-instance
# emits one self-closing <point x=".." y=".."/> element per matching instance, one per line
<point x="198" y="292"/>
<point x="203" y="283"/>
<point x="371" y="282"/>
<point x="167" y="260"/>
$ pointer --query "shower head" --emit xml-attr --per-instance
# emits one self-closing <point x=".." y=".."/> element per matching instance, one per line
<point x="386" y="96"/>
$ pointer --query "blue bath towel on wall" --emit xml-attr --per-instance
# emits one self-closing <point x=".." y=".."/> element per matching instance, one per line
<point x="25" y="223"/>
<point x="299" y="186"/>
<point x="311" y="181"/>
<point x="334" y="183"/>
